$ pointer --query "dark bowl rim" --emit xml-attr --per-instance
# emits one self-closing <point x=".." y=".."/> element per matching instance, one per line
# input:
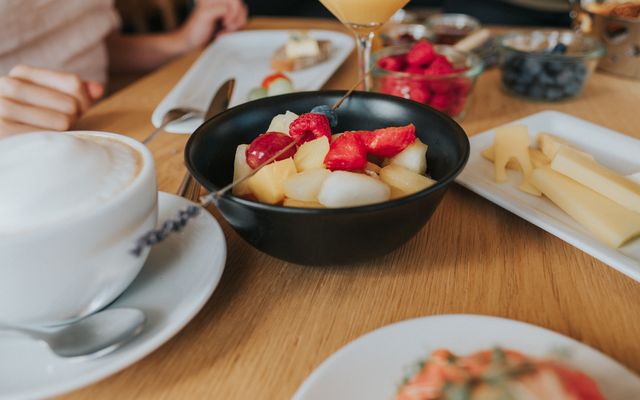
<point x="441" y="184"/>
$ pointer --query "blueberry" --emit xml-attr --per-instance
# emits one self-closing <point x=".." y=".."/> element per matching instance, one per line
<point x="532" y="66"/>
<point x="553" y="67"/>
<point x="536" y="91"/>
<point x="565" y="77"/>
<point x="559" y="48"/>
<point x="326" y="110"/>
<point x="554" y="93"/>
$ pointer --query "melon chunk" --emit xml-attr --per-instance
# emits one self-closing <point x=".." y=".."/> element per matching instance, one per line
<point x="402" y="181"/>
<point x="604" y="218"/>
<point x="311" y="154"/>
<point x="240" y="170"/>
<point x="413" y="158"/>
<point x="280" y="123"/>
<point x="268" y="183"/>
<point x="597" y="177"/>
<point x="302" y="204"/>
<point x="350" y="189"/>
<point x="305" y="185"/>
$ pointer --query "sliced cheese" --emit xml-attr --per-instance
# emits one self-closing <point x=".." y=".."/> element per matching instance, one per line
<point x="512" y="142"/>
<point x="604" y="218"/>
<point x="538" y="159"/>
<point x="550" y="144"/>
<point x="597" y="177"/>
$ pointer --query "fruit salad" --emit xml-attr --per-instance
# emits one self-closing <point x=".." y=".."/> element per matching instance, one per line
<point x="329" y="170"/>
<point x="443" y="80"/>
<point x="496" y="374"/>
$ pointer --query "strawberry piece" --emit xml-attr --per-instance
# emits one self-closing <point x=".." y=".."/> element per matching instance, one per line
<point x="266" y="146"/>
<point x="421" y="54"/>
<point x="310" y="126"/>
<point x="270" y="78"/>
<point x="439" y="66"/>
<point x="347" y="153"/>
<point x="387" y="142"/>
<point x="392" y="63"/>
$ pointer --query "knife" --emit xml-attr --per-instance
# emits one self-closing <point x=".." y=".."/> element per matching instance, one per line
<point x="189" y="188"/>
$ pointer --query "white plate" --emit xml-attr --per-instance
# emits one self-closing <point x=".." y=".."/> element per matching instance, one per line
<point x="372" y="366"/>
<point x="615" y="150"/>
<point x="245" y="56"/>
<point x="178" y="278"/>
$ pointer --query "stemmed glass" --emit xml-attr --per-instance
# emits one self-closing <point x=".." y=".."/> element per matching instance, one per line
<point x="364" y="18"/>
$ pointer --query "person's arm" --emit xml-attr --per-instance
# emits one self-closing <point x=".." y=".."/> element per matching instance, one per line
<point x="34" y="99"/>
<point x="135" y="53"/>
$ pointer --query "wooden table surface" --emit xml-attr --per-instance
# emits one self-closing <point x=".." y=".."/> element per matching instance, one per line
<point x="270" y="323"/>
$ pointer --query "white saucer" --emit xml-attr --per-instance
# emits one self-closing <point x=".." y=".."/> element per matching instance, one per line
<point x="372" y="366"/>
<point x="176" y="281"/>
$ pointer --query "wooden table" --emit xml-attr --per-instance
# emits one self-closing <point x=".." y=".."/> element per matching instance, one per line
<point x="270" y="323"/>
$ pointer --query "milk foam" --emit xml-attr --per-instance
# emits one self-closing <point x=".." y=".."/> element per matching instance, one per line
<point x="49" y="177"/>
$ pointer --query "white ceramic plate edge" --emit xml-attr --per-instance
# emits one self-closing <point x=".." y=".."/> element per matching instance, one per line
<point x="304" y="392"/>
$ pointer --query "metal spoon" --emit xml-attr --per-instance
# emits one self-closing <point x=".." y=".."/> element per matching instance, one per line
<point x="174" y="115"/>
<point x="96" y="335"/>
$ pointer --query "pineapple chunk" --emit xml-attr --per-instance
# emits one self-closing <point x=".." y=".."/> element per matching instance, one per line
<point x="413" y="158"/>
<point x="305" y="185"/>
<point x="402" y="181"/>
<point x="240" y="170"/>
<point x="268" y="183"/>
<point x="302" y="204"/>
<point x="280" y="123"/>
<point x="350" y="189"/>
<point x="311" y="154"/>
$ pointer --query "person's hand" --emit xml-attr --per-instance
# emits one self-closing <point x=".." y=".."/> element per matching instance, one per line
<point x="208" y="16"/>
<point x="34" y="99"/>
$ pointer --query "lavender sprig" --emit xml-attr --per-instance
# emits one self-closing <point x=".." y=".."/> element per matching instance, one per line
<point x="169" y="226"/>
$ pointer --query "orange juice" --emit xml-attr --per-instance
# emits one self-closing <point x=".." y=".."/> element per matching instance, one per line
<point x="371" y="13"/>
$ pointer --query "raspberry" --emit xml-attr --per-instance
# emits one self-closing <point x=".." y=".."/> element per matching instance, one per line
<point x="414" y="69"/>
<point x="266" y="146"/>
<point x="439" y="66"/>
<point x="347" y="153"/>
<point x="440" y="102"/>
<point x="392" y="63"/>
<point x="419" y="93"/>
<point x="457" y="106"/>
<point x="310" y="126"/>
<point x="421" y="54"/>
<point x="440" y="86"/>
<point x="463" y="86"/>
<point x="387" y="142"/>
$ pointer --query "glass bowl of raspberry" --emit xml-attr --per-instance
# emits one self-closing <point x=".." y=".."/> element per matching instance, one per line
<point x="436" y="75"/>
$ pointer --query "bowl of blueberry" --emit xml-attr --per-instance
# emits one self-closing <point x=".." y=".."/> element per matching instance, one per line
<point x="547" y="65"/>
<point x="435" y="75"/>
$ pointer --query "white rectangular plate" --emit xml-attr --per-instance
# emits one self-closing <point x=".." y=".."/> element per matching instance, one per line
<point x="245" y="56"/>
<point x="615" y="150"/>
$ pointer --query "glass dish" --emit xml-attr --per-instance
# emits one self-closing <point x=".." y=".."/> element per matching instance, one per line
<point x="547" y="65"/>
<point x="449" y="93"/>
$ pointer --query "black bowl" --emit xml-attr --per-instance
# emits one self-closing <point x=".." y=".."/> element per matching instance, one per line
<point x="327" y="236"/>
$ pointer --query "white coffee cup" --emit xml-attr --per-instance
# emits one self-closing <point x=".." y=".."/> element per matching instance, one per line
<point x="57" y="270"/>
